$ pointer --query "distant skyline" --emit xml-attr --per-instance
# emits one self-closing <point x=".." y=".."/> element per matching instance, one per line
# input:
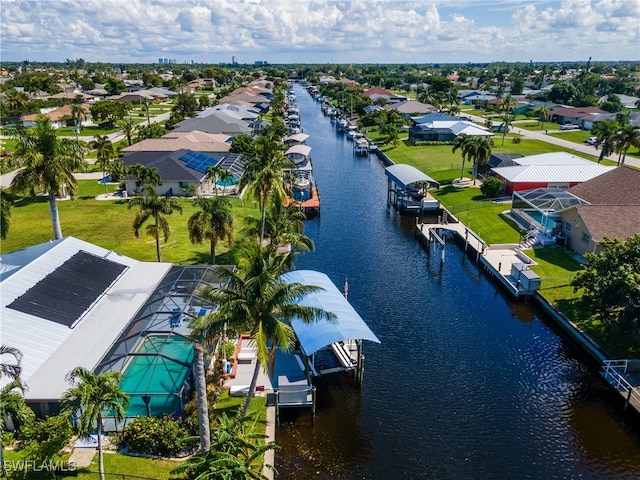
<point x="320" y="31"/>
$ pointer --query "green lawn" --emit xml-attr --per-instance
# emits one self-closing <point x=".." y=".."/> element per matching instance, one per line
<point x="480" y="215"/>
<point x="108" y="224"/>
<point x="84" y="131"/>
<point x="534" y="125"/>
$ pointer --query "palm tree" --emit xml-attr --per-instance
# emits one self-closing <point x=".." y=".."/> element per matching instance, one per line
<point x="78" y="113"/>
<point x="543" y="114"/>
<point x="201" y="396"/>
<point x="13" y="405"/>
<point x="92" y="394"/>
<point x="104" y="149"/>
<point x="128" y="127"/>
<point x="13" y="368"/>
<point x="479" y="149"/>
<point x="460" y="142"/>
<point x="507" y="119"/>
<point x="627" y="136"/>
<point x="212" y="222"/>
<point x="605" y="133"/>
<point x="48" y="164"/>
<point x="153" y="207"/>
<point x="225" y="177"/>
<point x="148" y="177"/>
<point x="283" y="226"/>
<point x="17" y="101"/>
<point x="265" y="174"/>
<point x="236" y="453"/>
<point x="213" y="172"/>
<point x="254" y="298"/>
<point x="6" y="202"/>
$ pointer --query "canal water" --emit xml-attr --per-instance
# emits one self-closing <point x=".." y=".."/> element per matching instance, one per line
<point x="466" y="384"/>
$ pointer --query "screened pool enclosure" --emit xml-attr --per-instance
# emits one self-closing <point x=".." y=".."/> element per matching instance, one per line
<point x="154" y="352"/>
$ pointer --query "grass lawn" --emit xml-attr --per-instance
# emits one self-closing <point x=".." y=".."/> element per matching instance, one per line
<point x="534" y="125"/>
<point x="114" y="465"/>
<point x="84" y="131"/>
<point x="108" y="224"/>
<point x="480" y="215"/>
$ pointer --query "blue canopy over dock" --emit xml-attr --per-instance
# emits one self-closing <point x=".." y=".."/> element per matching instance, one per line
<point x="347" y="325"/>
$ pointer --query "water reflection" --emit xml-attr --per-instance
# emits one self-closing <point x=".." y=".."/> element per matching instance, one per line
<point x="465" y="384"/>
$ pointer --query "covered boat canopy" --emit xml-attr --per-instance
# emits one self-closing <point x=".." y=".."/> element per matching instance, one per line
<point x="404" y="175"/>
<point x="304" y="150"/>
<point x="316" y="335"/>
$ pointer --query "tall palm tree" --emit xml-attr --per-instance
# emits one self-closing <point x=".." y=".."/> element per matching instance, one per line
<point x="225" y="177"/>
<point x="6" y="202"/>
<point x="479" y="149"/>
<point x="255" y="299"/>
<point x="13" y="405"/>
<point x="155" y="208"/>
<point x="212" y="222"/>
<point x="507" y="119"/>
<point x="605" y="133"/>
<point x="213" y="172"/>
<point x="128" y="127"/>
<point x="78" y="113"/>
<point x="91" y="395"/>
<point x="626" y="137"/>
<point x="48" y="163"/>
<point x="265" y="174"/>
<point x="148" y="177"/>
<point x="461" y="142"/>
<point x="201" y="398"/>
<point x="105" y="152"/>
<point x="17" y="101"/>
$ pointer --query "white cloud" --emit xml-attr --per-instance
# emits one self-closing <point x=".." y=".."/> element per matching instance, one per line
<point x="320" y="30"/>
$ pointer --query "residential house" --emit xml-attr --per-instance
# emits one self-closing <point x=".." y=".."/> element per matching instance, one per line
<point x="574" y="115"/>
<point x="183" y="172"/>
<point x="612" y="210"/>
<point x="215" y="122"/>
<point x="380" y="94"/>
<point x="410" y="108"/>
<point x="172" y="141"/>
<point x="549" y="170"/>
<point x="58" y="117"/>
<point x="445" y="131"/>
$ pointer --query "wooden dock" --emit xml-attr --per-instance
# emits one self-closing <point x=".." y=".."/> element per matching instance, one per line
<point x="507" y="263"/>
<point x="312" y="205"/>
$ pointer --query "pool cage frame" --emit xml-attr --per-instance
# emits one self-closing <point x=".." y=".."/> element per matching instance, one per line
<point x="166" y="315"/>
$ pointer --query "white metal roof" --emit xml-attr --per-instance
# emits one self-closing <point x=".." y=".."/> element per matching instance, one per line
<point x="551" y="173"/>
<point x="50" y="349"/>
<point x="553" y="158"/>
<point x="347" y="325"/>
<point x="298" y="137"/>
<point x="405" y="175"/>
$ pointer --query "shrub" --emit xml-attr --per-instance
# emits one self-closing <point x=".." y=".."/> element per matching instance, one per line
<point x="156" y="436"/>
<point x="45" y="438"/>
<point x="492" y="187"/>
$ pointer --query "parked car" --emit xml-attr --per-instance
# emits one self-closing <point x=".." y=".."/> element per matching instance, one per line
<point x="592" y="140"/>
<point x="570" y="126"/>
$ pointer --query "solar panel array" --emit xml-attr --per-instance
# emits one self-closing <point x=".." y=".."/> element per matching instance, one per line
<point x="198" y="161"/>
<point x="68" y="292"/>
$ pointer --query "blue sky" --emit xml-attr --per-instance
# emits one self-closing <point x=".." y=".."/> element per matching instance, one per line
<point x="315" y="31"/>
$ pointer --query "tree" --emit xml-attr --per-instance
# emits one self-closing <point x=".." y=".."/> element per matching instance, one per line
<point x="6" y="202"/>
<point x="243" y="144"/>
<point x="236" y="453"/>
<point x="543" y="114"/>
<point x="148" y="177"/>
<point x="506" y="123"/>
<point x="201" y="397"/>
<point x="186" y="105"/>
<point x="605" y="133"/>
<point x="11" y="368"/>
<point x="283" y="227"/>
<point x="13" y="405"/>
<point x="110" y="111"/>
<point x="90" y="395"/>
<point x="128" y="127"/>
<point x="611" y="282"/>
<point x="212" y="222"/>
<point x="612" y="104"/>
<point x="104" y="150"/>
<point x="627" y="136"/>
<point x="480" y="151"/>
<point x="115" y="86"/>
<point x="78" y="113"/>
<point x="461" y="142"/>
<point x="264" y="174"/>
<point x="155" y="208"/>
<point x="562" y="92"/>
<point x="492" y="187"/>
<point x="256" y="299"/>
<point x="48" y="163"/>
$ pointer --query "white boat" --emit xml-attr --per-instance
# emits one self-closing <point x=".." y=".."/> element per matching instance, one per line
<point x="301" y="183"/>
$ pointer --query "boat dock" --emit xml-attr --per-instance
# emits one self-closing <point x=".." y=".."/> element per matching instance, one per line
<point x="507" y="262"/>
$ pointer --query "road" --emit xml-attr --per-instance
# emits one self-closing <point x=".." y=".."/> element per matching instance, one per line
<point x="5" y="180"/>
<point x="577" y="147"/>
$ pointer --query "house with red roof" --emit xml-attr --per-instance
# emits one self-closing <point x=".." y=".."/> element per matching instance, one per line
<point x="574" y="115"/>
